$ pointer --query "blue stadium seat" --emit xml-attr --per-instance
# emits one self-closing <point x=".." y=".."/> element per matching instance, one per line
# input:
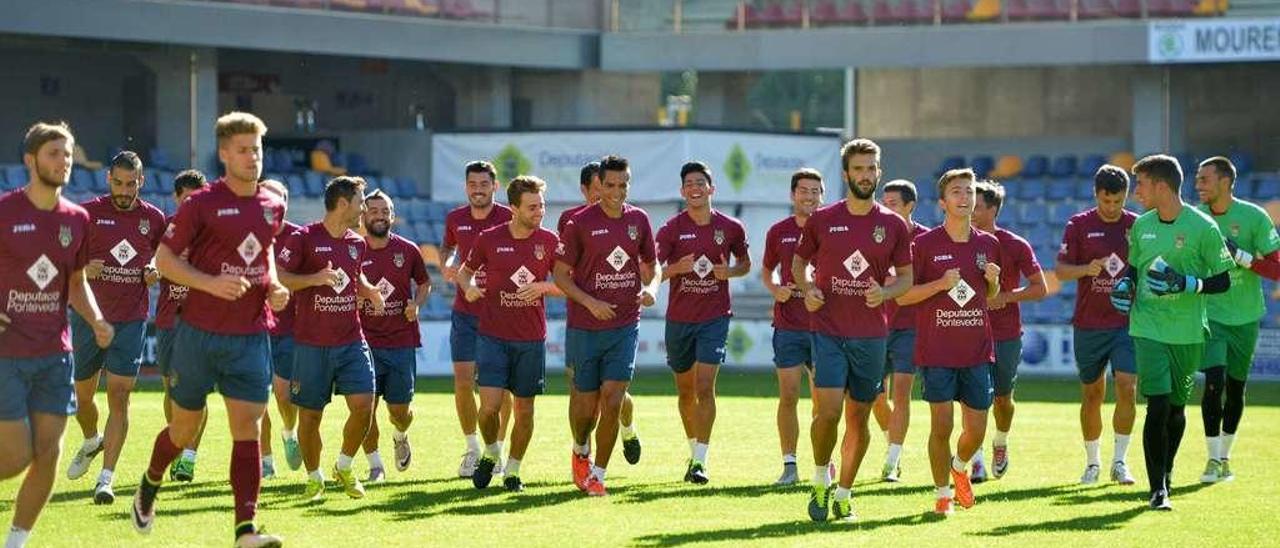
<point x="421" y="209"/>
<point x="1064" y="166"/>
<point x="1266" y="187"/>
<point x="1061" y="189"/>
<point x="100" y="181"/>
<point x="1031" y="189"/>
<point x="1243" y="162"/>
<point x="358" y="165"/>
<point x="269" y="160"/>
<point x="982" y="165"/>
<point x="296" y="184"/>
<point x="1090" y="164"/>
<point x="283" y="159"/>
<point x="314" y="182"/>
<point x="1084" y="188"/>
<point x="81" y="180"/>
<point x="1033" y="212"/>
<point x="273" y="176"/>
<point x="1035" y="166"/>
<point x="948" y="163"/>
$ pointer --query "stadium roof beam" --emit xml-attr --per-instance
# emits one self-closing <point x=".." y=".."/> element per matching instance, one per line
<point x="221" y="25"/>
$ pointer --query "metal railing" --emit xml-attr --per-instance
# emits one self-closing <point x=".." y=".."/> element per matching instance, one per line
<point x="571" y="14"/>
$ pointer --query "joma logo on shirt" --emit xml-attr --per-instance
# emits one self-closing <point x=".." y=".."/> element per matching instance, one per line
<point x="1095" y="234"/>
<point x="688" y="236"/>
<point x="223" y="212"/>
<point x="937" y="258"/>
<point x="323" y="249"/>
<point x="505" y="249"/>
<point x="789" y="240"/>
<point x="599" y="231"/>
<point x="837" y="229"/>
<point x="108" y="222"/>
<point x="464" y="228"/>
<point x="22" y="228"/>
<point x="1147" y="236"/>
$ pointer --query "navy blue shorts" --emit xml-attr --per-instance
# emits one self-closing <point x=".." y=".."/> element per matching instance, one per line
<point x="598" y="356"/>
<point x="395" y="370"/>
<point x="901" y="351"/>
<point x="36" y="385"/>
<point x="1095" y="348"/>
<point x="462" y="337"/>
<point x="319" y="372"/>
<point x="282" y="356"/>
<point x="164" y="350"/>
<point x="238" y="365"/>
<point x="853" y="364"/>
<point x="1005" y="371"/>
<point x="518" y="366"/>
<point x="703" y="342"/>
<point x="792" y="348"/>
<point x="123" y="357"/>
<point x="971" y="386"/>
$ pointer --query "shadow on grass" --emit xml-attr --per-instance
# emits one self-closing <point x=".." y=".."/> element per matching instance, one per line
<point x="463" y="500"/>
<point x="784" y="529"/>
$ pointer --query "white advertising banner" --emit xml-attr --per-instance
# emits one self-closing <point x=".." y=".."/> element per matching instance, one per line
<point x="1214" y="40"/>
<point x="749" y="168"/>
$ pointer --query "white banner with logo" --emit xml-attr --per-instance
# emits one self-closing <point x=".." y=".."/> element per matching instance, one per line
<point x="1214" y="40"/>
<point x="746" y="167"/>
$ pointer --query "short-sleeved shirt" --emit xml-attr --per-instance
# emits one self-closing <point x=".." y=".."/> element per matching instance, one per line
<point x="568" y="214"/>
<point x="396" y="270"/>
<point x="282" y="321"/>
<point x="171" y="297"/>
<point x="224" y="233"/>
<point x="39" y="251"/>
<point x="460" y="232"/>
<point x="125" y="242"/>
<point x="327" y="315"/>
<point x="698" y="296"/>
<point x="953" y="328"/>
<point x="605" y="254"/>
<point x="1191" y="245"/>
<point x="513" y="264"/>
<point x="849" y="252"/>
<point x="904" y="317"/>
<point x="779" y="248"/>
<point x="1018" y="261"/>
<point x="1249" y="226"/>
<point x="1086" y="238"/>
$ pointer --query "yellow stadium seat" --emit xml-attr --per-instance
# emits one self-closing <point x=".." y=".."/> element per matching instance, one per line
<point x="985" y="10"/>
<point x="1122" y="160"/>
<point x="321" y="162"/>
<point x="1007" y="167"/>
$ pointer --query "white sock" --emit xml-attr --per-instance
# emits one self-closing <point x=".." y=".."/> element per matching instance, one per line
<point x="628" y="432"/>
<point x="842" y="493"/>
<point x="789" y="458"/>
<point x="494" y="450"/>
<point x="959" y="465"/>
<point x="512" y="468"/>
<point x="400" y="435"/>
<point x="598" y="472"/>
<point x="820" y="475"/>
<point x="692" y="442"/>
<point x="700" y="452"/>
<point x="473" y="443"/>
<point x="1224" y="450"/>
<point x="1001" y="439"/>
<point x="1213" y="443"/>
<point x="91" y="444"/>
<point x="895" y="452"/>
<point x="944" y="492"/>
<point x="289" y="434"/>
<point x="189" y="454"/>
<point x="344" y="462"/>
<point x="1093" y="452"/>
<point x="17" y="538"/>
<point x="315" y="475"/>
<point x="105" y="476"/>
<point x="1122" y="448"/>
<point x="498" y="456"/>
<point x="375" y="459"/>
<point x="976" y="459"/>
<point x="584" y="449"/>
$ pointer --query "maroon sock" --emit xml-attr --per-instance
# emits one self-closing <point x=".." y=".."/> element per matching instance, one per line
<point x="162" y="453"/>
<point x="246" y="477"/>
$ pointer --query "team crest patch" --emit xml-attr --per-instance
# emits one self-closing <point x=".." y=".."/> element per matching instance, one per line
<point x="539" y="252"/>
<point x="64" y="235"/>
<point x="878" y="234"/>
<point x="353" y="252"/>
<point x="1179" y="241"/>
<point x="1235" y="230"/>
<point x="633" y="232"/>
<point x="295" y="387"/>
<point x="982" y="261"/>
<point x="268" y="216"/>
<point x="719" y="237"/>
<point x="144" y="226"/>
<point x="398" y="259"/>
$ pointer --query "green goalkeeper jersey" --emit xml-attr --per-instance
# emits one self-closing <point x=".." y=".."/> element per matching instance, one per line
<point x="1249" y="226"/>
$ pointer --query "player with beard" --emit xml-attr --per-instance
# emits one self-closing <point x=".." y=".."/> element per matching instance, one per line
<point x="122" y="239"/>
<point x="395" y="266"/>
<point x="43" y="256"/>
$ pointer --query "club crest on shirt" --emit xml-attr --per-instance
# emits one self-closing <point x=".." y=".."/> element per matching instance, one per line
<point x="539" y="251"/>
<point x="1179" y="241"/>
<point x="398" y="259"/>
<point x="878" y="234"/>
<point x="1235" y="230"/>
<point x="144" y="226"/>
<point x="353" y="252"/>
<point x="633" y="232"/>
<point x="268" y="215"/>
<point x="64" y="235"/>
<point x="982" y="261"/>
<point x="719" y="236"/>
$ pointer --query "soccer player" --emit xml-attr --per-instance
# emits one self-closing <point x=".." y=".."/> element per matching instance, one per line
<point x="512" y="346"/>
<point x="281" y="363"/>
<point x="694" y="248"/>
<point x="957" y="274"/>
<point x="605" y="264"/>
<point x="122" y="239"/>
<point x="852" y="244"/>
<point x="227" y="234"/>
<point x="321" y="263"/>
<point x="1176" y="255"/>
<point x="170" y="301"/>
<point x="791" y="339"/>
<point x="1095" y="246"/>
<point x="43" y="257"/>
<point x="1018" y="262"/>
<point x="589" y="185"/>
<point x="462" y="225"/>
<point x="1233" y="315"/>
<point x="900" y="196"/>
<point x="401" y="276"/>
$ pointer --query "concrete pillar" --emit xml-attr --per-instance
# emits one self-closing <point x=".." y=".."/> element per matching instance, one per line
<point x="186" y="104"/>
<point x="1159" y="112"/>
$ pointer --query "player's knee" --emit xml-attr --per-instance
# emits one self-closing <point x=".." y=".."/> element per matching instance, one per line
<point x="706" y="392"/>
<point x="827" y="414"/>
<point x="118" y="397"/>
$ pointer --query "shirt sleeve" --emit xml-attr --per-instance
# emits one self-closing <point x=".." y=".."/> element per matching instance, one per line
<point x="1069" y="251"/>
<point x="477" y="258"/>
<point x="157" y="229"/>
<point x="664" y="243"/>
<point x="808" y="240"/>
<point x="918" y="264"/>
<point x="1213" y="252"/>
<point x="289" y="257"/>
<point x="417" y="266"/>
<point x="1029" y="264"/>
<point x="567" y="250"/>
<point x="82" y="254"/>
<point x="902" y="246"/>
<point x="450" y="236"/>
<point x="739" y="245"/>
<point x="1266" y="241"/>
<point x="647" y="248"/>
